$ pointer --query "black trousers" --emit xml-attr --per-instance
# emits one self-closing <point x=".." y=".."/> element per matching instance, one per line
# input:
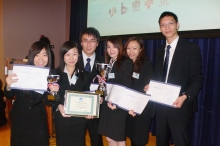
<point x="95" y="138"/>
<point x="171" y="121"/>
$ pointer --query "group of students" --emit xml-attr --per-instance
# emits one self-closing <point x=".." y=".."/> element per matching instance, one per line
<point x="129" y="67"/>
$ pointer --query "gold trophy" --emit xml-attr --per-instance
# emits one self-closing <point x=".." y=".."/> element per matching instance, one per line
<point x="103" y="70"/>
<point x="53" y="96"/>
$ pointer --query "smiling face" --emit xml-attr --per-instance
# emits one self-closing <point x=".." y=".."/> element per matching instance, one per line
<point x="71" y="57"/>
<point x="89" y="44"/>
<point x="41" y="59"/>
<point x="169" y="28"/>
<point x="133" y="49"/>
<point x="112" y="50"/>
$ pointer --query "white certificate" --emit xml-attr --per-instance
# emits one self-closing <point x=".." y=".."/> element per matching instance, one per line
<point x="30" y="77"/>
<point x="127" y="98"/>
<point x="81" y="104"/>
<point x="163" y="93"/>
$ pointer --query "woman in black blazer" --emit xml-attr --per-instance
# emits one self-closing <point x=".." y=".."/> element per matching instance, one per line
<point x="113" y="120"/>
<point x="28" y="114"/>
<point x="70" y="131"/>
<point x="138" y="126"/>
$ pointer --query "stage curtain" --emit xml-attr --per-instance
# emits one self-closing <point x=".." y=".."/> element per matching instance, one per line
<point x="78" y="19"/>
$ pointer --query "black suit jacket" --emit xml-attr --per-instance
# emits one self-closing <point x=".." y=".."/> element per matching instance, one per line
<point x="27" y="108"/>
<point x="185" y="70"/>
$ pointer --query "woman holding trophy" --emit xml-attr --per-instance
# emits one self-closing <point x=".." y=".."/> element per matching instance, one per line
<point x="28" y="113"/>
<point x="113" y="120"/>
<point x="70" y="131"/>
<point x="138" y="126"/>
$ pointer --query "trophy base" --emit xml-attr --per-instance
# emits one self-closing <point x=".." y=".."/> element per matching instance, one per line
<point x="102" y="93"/>
<point x="53" y="97"/>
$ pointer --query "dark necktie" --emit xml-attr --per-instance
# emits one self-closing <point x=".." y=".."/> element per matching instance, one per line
<point x="88" y="67"/>
<point x="165" y="64"/>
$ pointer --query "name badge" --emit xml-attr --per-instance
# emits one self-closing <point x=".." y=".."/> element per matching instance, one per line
<point x="73" y="80"/>
<point x="111" y="75"/>
<point x="135" y="75"/>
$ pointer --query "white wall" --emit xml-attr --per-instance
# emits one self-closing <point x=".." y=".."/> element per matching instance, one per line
<point x="24" y="21"/>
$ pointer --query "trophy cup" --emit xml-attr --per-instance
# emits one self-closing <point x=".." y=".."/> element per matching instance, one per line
<point x="53" y="96"/>
<point x="103" y="70"/>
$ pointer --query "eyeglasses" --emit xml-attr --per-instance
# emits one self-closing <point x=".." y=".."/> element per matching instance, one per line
<point x="171" y="23"/>
<point x="89" y="41"/>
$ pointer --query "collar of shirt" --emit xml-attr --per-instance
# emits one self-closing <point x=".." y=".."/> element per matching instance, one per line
<point x="68" y="75"/>
<point x="173" y="44"/>
<point x="91" y="57"/>
<point x="111" y="62"/>
<point x="172" y="50"/>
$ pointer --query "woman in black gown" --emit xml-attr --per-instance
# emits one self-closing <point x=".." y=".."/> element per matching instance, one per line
<point x="70" y="131"/>
<point x="113" y="119"/>
<point x="138" y="126"/>
<point x="28" y="114"/>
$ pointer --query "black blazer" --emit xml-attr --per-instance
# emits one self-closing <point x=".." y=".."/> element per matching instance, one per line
<point x="94" y="72"/>
<point x="25" y="107"/>
<point x="122" y="75"/>
<point x="185" y="70"/>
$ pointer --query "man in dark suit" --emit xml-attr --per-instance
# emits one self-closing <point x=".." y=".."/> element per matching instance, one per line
<point x="89" y="41"/>
<point x="178" y="62"/>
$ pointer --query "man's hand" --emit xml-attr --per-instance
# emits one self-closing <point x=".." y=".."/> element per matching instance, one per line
<point x="179" y="101"/>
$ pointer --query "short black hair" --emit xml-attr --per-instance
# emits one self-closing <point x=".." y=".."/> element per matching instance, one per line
<point x="36" y="48"/>
<point x="90" y="31"/>
<point x="167" y="13"/>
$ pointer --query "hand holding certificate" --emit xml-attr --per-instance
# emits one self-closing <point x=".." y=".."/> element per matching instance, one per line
<point x="30" y="77"/>
<point x="81" y="104"/>
<point x="126" y="98"/>
<point x="163" y="93"/>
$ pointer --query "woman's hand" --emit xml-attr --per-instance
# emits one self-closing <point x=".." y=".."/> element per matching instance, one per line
<point x="12" y="78"/>
<point x="131" y="112"/>
<point x="99" y="80"/>
<point x="61" y="109"/>
<point x="101" y="100"/>
<point x="146" y="88"/>
<point x="111" y="106"/>
<point x="89" y="117"/>
<point x="53" y="87"/>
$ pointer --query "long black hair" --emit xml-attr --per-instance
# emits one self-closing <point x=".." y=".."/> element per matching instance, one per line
<point x="68" y="45"/>
<point x="141" y="56"/>
<point x="116" y="41"/>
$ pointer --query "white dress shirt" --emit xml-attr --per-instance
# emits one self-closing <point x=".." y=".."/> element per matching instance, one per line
<point x="172" y="50"/>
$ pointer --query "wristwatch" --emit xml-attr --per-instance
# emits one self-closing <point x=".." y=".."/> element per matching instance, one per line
<point x="187" y="95"/>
